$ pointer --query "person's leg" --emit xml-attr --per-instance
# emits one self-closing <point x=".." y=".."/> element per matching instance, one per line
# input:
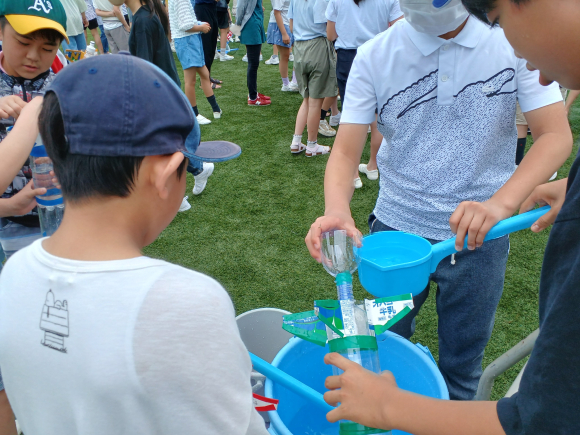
<point x="301" y="119"/>
<point x="104" y="39"/>
<point x="7" y="424"/>
<point x="469" y="290"/>
<point x="224" y="40"/>
<point x="97" y="38"/>
<point x="284" y="55"/>
<point x="314" y="107"/>
<point x="208" y="91"/>
<point x="189" y="81"/>
<point x="111" y="42"/>
<point x="253" y="64"/>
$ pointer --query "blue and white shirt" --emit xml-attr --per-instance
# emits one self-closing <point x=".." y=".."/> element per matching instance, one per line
<point x="447" y="113"/>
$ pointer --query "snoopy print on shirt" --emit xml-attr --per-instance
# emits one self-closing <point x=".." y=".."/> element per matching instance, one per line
<point x="54" y="323"/>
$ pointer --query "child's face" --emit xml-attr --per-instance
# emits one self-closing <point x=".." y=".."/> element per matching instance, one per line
<point x="546" y="34"/>
<point x="25" y="55"/>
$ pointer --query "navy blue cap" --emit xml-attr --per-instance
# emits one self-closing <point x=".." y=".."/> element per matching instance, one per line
<point x="121" y="105"/>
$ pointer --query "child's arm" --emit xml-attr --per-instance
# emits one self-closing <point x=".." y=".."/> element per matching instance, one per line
<point x="552" y="146"/>
<point x="376" y="401"/>
<point x="331" y="31"/>
<point x="15" y="149"/>
<point x="186" y="19"/>
<point x="282" y="27"/>
<point x="104" y="14"/>
<point x="117" y="13"/>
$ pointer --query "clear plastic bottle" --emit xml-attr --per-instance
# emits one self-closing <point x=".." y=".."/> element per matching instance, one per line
<point x="91" y="50"/>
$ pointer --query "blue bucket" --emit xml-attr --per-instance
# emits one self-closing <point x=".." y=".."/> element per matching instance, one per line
<point x="413" y="367"/>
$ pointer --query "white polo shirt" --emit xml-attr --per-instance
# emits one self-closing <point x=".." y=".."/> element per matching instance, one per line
<point x="355" y="25"/>
<point x="446" y="111"/>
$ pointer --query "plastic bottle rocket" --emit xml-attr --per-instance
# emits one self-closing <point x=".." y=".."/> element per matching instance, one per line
<point x="355" y="340"/>
<point x="51" y="204"/>
<point x="91" y="50"/>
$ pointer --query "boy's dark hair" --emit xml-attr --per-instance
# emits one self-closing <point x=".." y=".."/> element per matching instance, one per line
<point x="480" y="8"/>
<point x="82" y="177"/>
<point x="50" y="35"/>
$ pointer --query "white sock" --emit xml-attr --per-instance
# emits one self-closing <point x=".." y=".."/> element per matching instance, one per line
<point x="297" y="139"/>
<point x="311" y="144"/>
<point x="337" y="114"/>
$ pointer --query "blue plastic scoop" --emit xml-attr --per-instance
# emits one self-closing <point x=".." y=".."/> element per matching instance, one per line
<point x="391" y="263"/>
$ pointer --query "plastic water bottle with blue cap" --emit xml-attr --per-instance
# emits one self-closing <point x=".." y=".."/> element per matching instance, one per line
<point x="51" y="204"/>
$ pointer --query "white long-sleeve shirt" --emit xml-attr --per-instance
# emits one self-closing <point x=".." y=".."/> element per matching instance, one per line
<point x="127" y="347"/>
<point x="181" y="18"/>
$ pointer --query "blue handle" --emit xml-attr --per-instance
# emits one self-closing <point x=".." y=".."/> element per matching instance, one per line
<point x="283" y="378"/>
<point x="507" y="226"/>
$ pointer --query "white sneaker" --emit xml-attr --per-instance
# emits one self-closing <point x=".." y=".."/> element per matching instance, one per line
<point x="357" y="183"/>
<point x="274" y="60"/>
<point x="291" y="58"/>
<point x="294" y="86"/>
<point x="261" y="57"/>
<point x="216" y="56"/>
<point x="335" y="120"/>
<point x="226" y="57"/>
<point x="245" y="58"/>
<point x="236" y="38"/>
<point x="201" y="179"/>
<point x="553" y="177"/>
<point x="184" y="205"/>
<point x="289" y="88"/>
<point x="218" y="115"/>
<point x="371" y="175"/>
<point x="172" y="46"/>
<point x="202" y="120"/>
<point x="326" y="130"/>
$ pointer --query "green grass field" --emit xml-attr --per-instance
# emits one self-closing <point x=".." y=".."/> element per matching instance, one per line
<point x="247" y="229"/>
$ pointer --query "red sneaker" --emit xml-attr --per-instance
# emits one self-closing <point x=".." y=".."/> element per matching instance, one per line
<point x="259" y="102"/>
<point x="265" y="97"/>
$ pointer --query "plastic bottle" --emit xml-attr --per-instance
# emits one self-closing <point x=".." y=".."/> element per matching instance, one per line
<point x="51" y="204"/>
<point x="91" y="50"/>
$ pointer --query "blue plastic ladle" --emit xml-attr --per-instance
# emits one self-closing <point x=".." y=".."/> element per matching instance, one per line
<point x="391" y="263"/>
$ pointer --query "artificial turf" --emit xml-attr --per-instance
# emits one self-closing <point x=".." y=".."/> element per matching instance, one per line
<point x="247" y="228"/>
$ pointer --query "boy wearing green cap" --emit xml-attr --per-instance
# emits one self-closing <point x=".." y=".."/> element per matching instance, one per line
<point x="31" y="32"/>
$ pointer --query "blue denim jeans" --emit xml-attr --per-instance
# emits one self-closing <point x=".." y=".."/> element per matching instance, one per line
<point x="468" y="293"/>
<point x="104" y="39"/>
<point x="77" y="42"/>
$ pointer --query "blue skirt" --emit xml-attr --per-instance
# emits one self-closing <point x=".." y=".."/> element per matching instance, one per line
<point x="275" y="36"/>
<point x="190" y="51"/>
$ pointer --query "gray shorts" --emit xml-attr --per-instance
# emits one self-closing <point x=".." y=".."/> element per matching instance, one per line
<point x="315" y="63"/>
<point x="118" y="39"/>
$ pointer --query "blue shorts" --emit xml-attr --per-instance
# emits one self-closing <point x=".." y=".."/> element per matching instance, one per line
<point x="275" y="36"/>
<point x="190" y="51"/>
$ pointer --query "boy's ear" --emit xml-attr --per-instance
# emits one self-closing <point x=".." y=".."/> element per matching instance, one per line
<point x="166" y="168"/>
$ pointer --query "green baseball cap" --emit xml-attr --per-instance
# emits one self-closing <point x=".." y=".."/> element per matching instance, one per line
<point x="27" y="16"/>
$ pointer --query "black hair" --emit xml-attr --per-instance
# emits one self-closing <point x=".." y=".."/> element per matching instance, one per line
<point x="356" y="2"/>
<point x="157" y="8"/>
<point x="82" y="177"/>
<point x="480" y="8"/>
<point x="50" y="35"/>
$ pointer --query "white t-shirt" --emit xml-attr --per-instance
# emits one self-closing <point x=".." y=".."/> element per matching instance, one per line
<point x="446" y="111"/>
<point x="282" y="6"/>
<point x="109" y="23"/>
<point x="355" y="25"/>
<point x="309" y="19"/>
<point x="128" y="347"/>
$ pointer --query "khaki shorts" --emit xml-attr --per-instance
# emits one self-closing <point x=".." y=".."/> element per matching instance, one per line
<point x="521" y="119"/>
<point x="315" y="63"/>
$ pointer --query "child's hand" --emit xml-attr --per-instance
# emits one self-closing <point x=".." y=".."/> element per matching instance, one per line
<point x="552" y="194"/>
<point x="24" y="201"/>
<point x="364" y="396"/>
<point x="205" y="27"/>
<point x="11" y="106"/>
<point x="327" y="223"/>
<point x="286" y="38"/>
<point x="474" y="220"/>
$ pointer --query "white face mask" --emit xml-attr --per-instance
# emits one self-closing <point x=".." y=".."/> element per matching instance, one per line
<point x="434" y="17"/>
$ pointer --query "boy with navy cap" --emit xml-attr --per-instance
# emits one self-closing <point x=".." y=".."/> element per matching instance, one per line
<point x="126" y="344"/>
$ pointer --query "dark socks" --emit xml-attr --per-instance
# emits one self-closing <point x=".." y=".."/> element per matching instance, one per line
<point x="521" y="148"/>
<point x="195" y="110"/>
<point x="214" y="105"/>
<point x="323" y="114"/>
